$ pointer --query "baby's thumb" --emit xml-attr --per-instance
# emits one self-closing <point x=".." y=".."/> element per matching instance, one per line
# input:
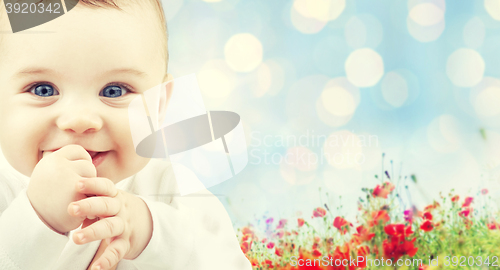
<point x="45" y="153"/>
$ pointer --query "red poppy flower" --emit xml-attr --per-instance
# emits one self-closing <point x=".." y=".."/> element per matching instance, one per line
<point x="270" y="245"/>
<point x="319" y="212"/>
<point x="341" y="224"/>
<point x="255" y="262"/>
<point x="465" y="212"/>
<point x="467" y="202"/>
<point x="245" y="237"/>
<point x="427" y="226"/>
<point x="246" y="246"/>
<point x="432" y="206"/>
<point x="363" y="251"/>
<point x="363" y="234"/>
<point x="300" y="221"/>
<point x="279" y="252"/>
<point x="383" y="190"/>
<point x="427" y="215"/>
<point x="398" y="230"/>
<point x="455" y="198"/>
<point x="316" y="253"/>
<point x="396" y="248"/>
<point x="269" y="263"/>
<point x="379" y="217"/>
<point x="493" y="226"/>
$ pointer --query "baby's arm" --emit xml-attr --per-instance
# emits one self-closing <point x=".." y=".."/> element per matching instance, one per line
<point x="34" y="224"/>
<point x="25" y="241"/>
<point x="191" y="233"/>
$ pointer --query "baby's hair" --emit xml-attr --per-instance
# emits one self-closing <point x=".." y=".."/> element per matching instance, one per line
<point x="155" y="4"/>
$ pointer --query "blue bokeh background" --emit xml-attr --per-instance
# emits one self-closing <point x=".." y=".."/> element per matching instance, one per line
<point x="296" y="69"/>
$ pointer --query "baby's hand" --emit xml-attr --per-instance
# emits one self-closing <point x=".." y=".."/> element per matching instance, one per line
<point x="125" y="221"/>
<point x="52" y="185"/>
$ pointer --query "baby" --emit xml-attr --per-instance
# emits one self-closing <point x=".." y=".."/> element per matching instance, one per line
<point x="64" y="128"/>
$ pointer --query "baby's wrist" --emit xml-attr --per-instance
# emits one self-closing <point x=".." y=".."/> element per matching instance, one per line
<point x="143" y="229"/>
<point x="47" y="223"/>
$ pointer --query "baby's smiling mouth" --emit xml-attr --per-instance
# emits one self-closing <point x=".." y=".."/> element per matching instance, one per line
<point x="93" y="153"/>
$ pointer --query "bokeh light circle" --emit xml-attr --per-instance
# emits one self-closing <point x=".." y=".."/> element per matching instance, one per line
<point x="306" y="25"/>
<point x="338" y="102"/>
<point x="465" y="67"/>
<point x="425" y="33"/>
<point x="322" y="10"/>
<point x="364" y="67"/>
<point x="243" y="52"/>
<point x="488" y="102"/>
<point x="426" y="14"/>
<point x="485" y="98"/>
<point x="441" y="4"/>
<point x="425" y="21"/>
<point x="398" y="88"/>
<point x="216" y="80"/>
<point x="493" y="8"/>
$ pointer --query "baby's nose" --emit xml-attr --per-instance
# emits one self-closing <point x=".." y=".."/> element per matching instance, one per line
<point x="80" y="120"/>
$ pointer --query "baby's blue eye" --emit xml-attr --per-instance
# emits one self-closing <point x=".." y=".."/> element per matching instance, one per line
<point x="113" y="91"/>
<point x="44" y="90"/>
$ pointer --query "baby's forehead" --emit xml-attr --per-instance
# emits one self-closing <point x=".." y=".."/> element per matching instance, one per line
<point x="147" y="12"/>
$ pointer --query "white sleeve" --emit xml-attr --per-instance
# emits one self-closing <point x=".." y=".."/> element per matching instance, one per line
<point x="25" y="241"/>
<point x="191" y="233"/>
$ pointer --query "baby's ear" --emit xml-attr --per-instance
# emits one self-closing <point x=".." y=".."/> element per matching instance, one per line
<point x="165" y="94"/>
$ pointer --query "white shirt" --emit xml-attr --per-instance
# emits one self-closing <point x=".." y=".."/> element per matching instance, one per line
<point x="191" y="232"/>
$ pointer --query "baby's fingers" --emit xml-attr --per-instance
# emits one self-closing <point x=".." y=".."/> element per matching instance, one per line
<point x="98" y="186"/>
<point x="92" y="207"/>
<point x="102" y="229"/>
<point x="115" y="251"/>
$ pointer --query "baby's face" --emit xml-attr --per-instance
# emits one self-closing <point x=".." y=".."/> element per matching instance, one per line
<point x="70" y="81"/>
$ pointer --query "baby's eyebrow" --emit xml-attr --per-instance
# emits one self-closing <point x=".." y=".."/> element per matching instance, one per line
<point x="37" y="71"/>
<point x="34" y="71"/>
<point x="130" y="71"/>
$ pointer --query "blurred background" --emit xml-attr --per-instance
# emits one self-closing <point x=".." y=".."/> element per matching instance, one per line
<point x="325" y="87"/>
